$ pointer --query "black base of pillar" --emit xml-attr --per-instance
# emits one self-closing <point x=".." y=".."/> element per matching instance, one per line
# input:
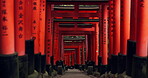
<point x="49" y="69"/>
<point x="121" y="63"/>
<point x="90" y="70"/>
<point x="60" y="70"/>
<point x="109" y="64"/>
<point x="139" y="67"/>
<point x="23" y="66"/>
<point x="43" y="63"/>
<point x="52" y="60"/>
<point x="29" y="47"/>
<point x="83" y="67"/>
<point x="147" y="68"/>
<point x="9" y="66"/>
<point x="131" y="50"/>
<point x="37" y="62"/>
<point x="114" y="64"/>
<point x="30" y="64"/>
<point x="103" y="69"/>
<point x="76" y="66"/>
<point x="99" y="63"/>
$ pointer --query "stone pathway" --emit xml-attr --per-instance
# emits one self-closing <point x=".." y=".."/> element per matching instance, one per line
<point x="74" y="73"/>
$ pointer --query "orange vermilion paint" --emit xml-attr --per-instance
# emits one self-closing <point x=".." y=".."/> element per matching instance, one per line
<point x="116" y="34"/>
<point x="105" y="35"/>
<point x="62" y="47"/>
<point x="35" y="24"/>
<point x="42" y="27"/>
<point x="86" y="44"/>
<point x="96" y="43"/>
<point x="125" y="25"/>
<point x="78" y="56"/>
<point x="133" y="21"/>
<point x="19" y="27"/>
<point x="111" y="24"/>
<point x="56" y="51"/>
<point x="7" y="26"/>
<point x="28" y="19"/>
<point x="100" y="33"/>
<point x="47" y="37"/>
<point x="48" y="34"/>
<point x="83" y="56"/>
<point x="142" y="34"/>
<point x="73" y="59"/>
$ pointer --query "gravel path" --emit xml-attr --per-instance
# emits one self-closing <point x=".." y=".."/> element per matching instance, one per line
<point x="73" y="73"/>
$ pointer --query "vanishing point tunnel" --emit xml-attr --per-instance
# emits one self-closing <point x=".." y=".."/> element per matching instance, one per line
<point x="73" y="38"/>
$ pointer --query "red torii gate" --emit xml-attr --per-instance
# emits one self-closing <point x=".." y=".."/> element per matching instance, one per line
<point x="94" y="35"/>
<point x="67" y="58"/>
<point x="7" y="32"/>
<point x="75" y="15"/>
<point x="82" y="46"/>
<point x="78" y="52"/>
<point x="32" y="27"/>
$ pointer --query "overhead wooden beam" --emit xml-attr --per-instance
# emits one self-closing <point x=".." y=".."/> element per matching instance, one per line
<point x="76" y="20"/>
